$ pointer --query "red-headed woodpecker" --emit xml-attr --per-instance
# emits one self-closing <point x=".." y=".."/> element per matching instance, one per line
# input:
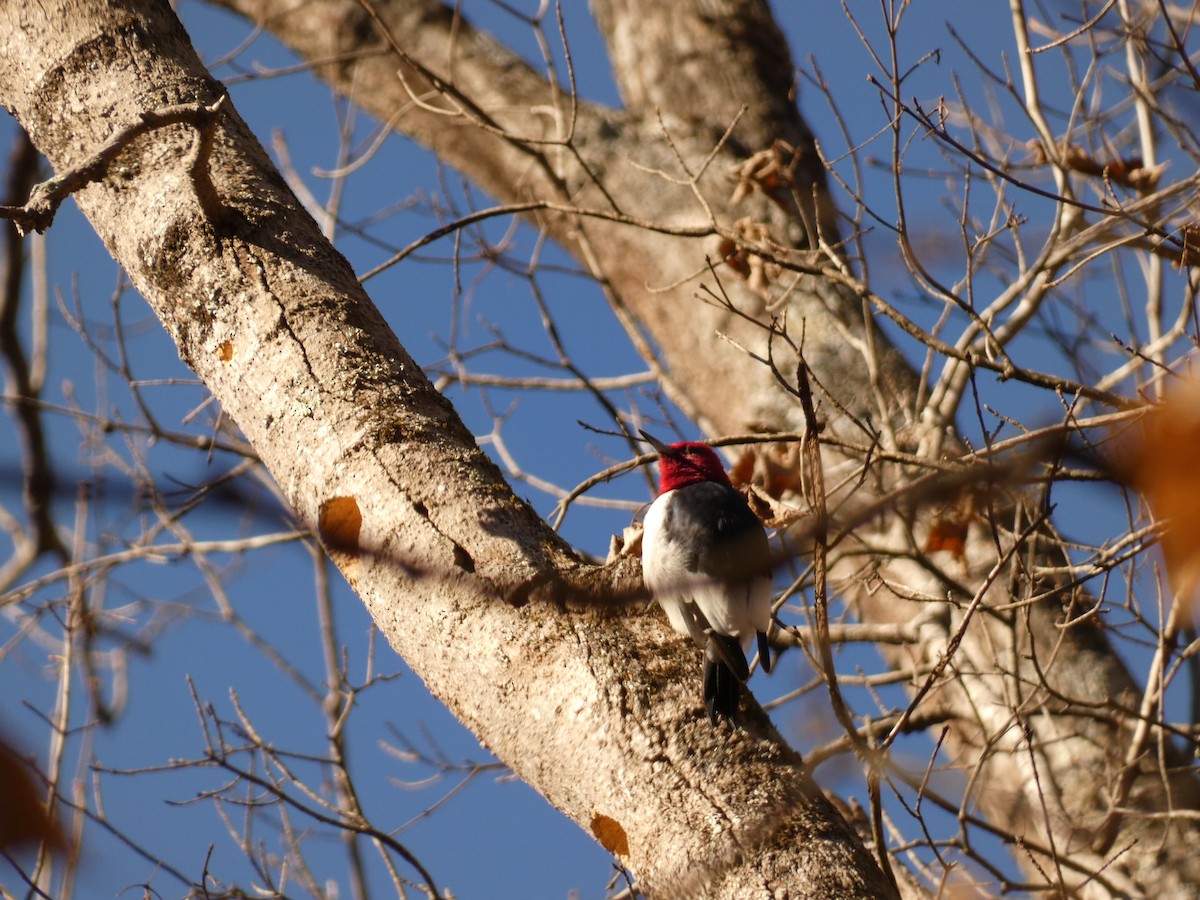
<point x="706" y="561"/>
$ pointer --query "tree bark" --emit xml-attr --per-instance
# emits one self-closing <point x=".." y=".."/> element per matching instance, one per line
<point x="1041" y="708"/>
<point x="597" y="713"/>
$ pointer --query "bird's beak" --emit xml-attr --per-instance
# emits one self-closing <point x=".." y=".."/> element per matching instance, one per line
<point x="659" y="447"/>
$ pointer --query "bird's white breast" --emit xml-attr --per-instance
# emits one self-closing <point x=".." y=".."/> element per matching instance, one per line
<point x="694" y="600"/>
<point x="664" y="569"/>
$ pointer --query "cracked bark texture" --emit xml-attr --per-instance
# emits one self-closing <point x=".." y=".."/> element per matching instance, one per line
<point x="1041" y="708"/>
<point x="596" y="713"/>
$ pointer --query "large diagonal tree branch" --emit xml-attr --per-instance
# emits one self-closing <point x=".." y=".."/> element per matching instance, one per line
<point x="1028" y="683"/>
<point x="466" y="582"/>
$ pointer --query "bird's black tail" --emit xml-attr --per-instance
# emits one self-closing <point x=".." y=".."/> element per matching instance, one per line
<point x="725" y="669"/>
<point x="764" y="652"/>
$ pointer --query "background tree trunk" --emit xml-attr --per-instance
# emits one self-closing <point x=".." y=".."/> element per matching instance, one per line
<point x="597" y="713"/>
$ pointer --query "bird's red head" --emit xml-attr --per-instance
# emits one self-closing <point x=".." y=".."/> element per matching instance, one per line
<point x="688" y="463"/>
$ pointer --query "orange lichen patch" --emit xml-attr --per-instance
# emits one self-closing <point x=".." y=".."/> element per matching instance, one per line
<point x="1158" y="458"/>
<point x="24" y="819"/>
<point x="610" y="834"/>
<point x="946" y="534"/>
<point x="738" y="252"/>
<point x="771" y="171"/>
<point x="733" y="256"/>
<point x="1130" y="171"/>
<point x="1189" y="238"/>
<point x="773" y="468"/>
<point x="225" y="351"/>
<point x="770" y="477"/>
<point x="952" y="523"/>
<point x="339" y="523"/>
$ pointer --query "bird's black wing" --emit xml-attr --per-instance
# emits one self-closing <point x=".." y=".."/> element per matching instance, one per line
<point x="736" y="549"/>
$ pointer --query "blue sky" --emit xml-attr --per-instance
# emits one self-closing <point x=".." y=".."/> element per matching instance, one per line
<point x="497" y="838"/>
